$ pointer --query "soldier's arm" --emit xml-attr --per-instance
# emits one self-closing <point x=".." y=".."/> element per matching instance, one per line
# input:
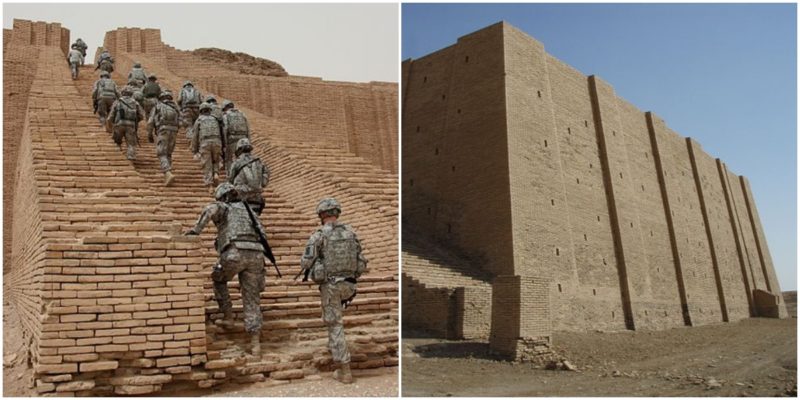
<point x="112" y="114"/>
<point x="195" y="137"/>
<point x="210" y="212"/>
<point x="140" y="111"/>
<point x="310" y="254"/>
<point x="362" y="261"/>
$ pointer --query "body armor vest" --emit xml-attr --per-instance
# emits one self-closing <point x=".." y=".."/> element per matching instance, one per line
<point x="208" y="129"/>
<point x="190" y="96"/>
<point x="151" y="89"/>
<point x="108" y="88"/>
<point x="167" y="116"/>
<point x="235" y="227"/>
<point x="126" y="110"/>
<point x="249" y="172"/>
<point x="138" y="73"/>
<point x="339" y="251"/>
<point x="237" y="126"/>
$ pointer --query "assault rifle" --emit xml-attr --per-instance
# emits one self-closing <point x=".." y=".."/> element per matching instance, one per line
<point x="262" y="237"/>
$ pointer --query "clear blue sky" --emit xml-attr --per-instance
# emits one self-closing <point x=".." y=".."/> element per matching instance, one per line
<point x="724" y="74"/>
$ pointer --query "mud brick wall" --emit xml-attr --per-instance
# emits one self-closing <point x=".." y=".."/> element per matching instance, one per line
<point x="454" y="144"/>
<point x="428" y="308"/>
<point x="633" y="225"/>
<point x="474" y="312"/>
<point x="521" y="325"/>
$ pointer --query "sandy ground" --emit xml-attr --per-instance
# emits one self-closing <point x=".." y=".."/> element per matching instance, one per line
<point x="380" y="382"/>
<point x="754" y="357"/>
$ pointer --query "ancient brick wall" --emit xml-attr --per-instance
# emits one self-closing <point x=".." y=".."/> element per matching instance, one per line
<point x="456" y="153"/>
<point x="633" y="225"/>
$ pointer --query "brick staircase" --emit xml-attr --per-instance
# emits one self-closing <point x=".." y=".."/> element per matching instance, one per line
<point x="455" y="294"/>
<point x="95" y="204"/>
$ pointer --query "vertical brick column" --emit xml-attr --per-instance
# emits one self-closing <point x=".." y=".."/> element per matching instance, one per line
<point x="521" y="317"/>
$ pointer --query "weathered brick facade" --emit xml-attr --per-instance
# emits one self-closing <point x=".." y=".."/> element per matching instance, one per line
<point x="112" y="297"/>
<point x="541" y="174"/>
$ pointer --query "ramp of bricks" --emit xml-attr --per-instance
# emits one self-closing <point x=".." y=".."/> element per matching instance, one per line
<point x="455" y="295"/>
<point x="127" y="300"/>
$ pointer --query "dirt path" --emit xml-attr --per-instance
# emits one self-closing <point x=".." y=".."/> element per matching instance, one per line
<point x="755" y="357"/>
<point x="17" y="376"/>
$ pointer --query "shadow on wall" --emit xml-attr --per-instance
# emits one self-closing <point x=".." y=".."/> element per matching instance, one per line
<point x="460" y="350"/>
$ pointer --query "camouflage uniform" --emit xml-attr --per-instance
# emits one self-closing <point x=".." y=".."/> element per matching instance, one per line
<point x="240" y="253"/>
<point x="165" y="120"/>
<point x="81" y="46"/>
<point x="125" y="116"/>
<point x="105" y="62"/>
<point x="189" y="101"/>
<point x="151" y="91"/>
<point x="138" y="74"/>
<point x="74" y="58"/>
<point x="333" y="259"/>
<point x="208" y="144"/>
<point x="104" y="94"/>
<point x="234" y="128"/>
<point x="249" y="176"/>
<point x="135" y="88"/>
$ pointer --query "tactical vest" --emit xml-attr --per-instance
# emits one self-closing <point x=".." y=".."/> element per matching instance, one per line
<point x="190" y="96"/>
<point x="138" y="73"/>
<point x="167" y="116"/>
<point x="208" y="129"/>
<point x="253" y="183"/>
<point x="216" y="112"/>
<point x="151" y="89"/>
<point x="235" y="227"/>
<point x="237" y="126"/>
<point x="126" y="111"/>
<point x="107" y="88"/>
<point x="339" y="251"/>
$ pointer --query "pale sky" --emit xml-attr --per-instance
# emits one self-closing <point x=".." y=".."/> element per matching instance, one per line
<point x="345" y="42"/>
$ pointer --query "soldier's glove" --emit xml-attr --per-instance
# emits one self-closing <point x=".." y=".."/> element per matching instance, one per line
<point x="190" y="232"/>
<point x="196" y="156"/>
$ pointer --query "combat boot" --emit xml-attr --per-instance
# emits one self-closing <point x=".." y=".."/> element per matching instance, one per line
<point x="226" y="321"/>
<point x="168" y="178"/>
<point x="255" y="344"/>
<point x="343" y="374"/>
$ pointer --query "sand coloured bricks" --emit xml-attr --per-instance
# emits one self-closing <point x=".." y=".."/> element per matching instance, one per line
<point x="537" y="173"/>
<point x="113" y="298"/>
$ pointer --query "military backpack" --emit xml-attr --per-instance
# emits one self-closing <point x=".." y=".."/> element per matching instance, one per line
<point x="190" y="96"/>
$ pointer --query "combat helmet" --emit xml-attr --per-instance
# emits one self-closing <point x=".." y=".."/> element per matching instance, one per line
<point x="165" y="95"/>
<point x="126" y="91"/>
<point x="152" y="77"/>
<point x="243" y="146"/>
<point x="329" y="205"/>
<point x="137" y="65"/>
<point x="226" y="104"/>
<point x="223" y="189"/>
<point x="187" y="83"/>
<point x="105" y="74"/>
<point x="205" y="106"/>
<point x="210" y="98"/>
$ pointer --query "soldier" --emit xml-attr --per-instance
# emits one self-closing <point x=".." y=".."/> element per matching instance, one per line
<point x="125" y="116"/>
<point x="105" y="62"/>
<point x="151" y="92"/>
<point x="165" y="119"/>
<point x="81" y="46"/>
<point x="137" y="73"/>
<point x="333" y="259"/>
<point x="189" y="101"/>
<point x="74" y="58"/>
<point x="240" y="253"/>
<point x="249" y="176"/>
<point x="103" y="96"/>
<point x="234" y="128"/>
<point x="136" y="89"/>
<point x="207" y="145"/>
<point x="216" y="112"/>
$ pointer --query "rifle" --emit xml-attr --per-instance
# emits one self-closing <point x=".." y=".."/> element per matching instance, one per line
<point x="262" y="237"/>
<point x="94" y="106"/>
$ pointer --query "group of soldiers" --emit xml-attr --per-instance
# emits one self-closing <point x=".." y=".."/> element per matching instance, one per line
<point x="220" y="137"/>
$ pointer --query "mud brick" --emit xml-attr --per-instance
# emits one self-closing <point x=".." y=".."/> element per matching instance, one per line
<point x="56" y="368"/>
<point x="56" y="378"/>
<point x="178" y="312"/>
<point x="224" y="363"/>
<point x="130" y="307"/>
<point x="146" y="346"/>
<point x="57" y="342"/>
<point x="114" y="285"/>
<point x="176" y="352"/>
<point x="159" y="338"/>
<point x="74" y="386"/>
<point x="129" y="339"/>
<point x="77" y="334"/>
<point x="179" y="370"/>
<point x="98" y="366"/>
<point x="114" y="301"/>
<point x="287" y="374"/>
<point x="154" y="353"/>
<point x="176" y="328"/>
<point x="141" y="380"/>
<point x="172" y="361"/>
<point x="78" y="302"/>
<point x="112" y="332"/>
<point x="78" y="317"/>
<point x="128" y="293"/>
<point x="130" y="390"/>
<point x="132" y="323"/>
<point x="150" y="314"/>
<point x="147" y="330"/>
<point x="111" y="347"/>
<point x="75" y="349"/>
<point x="94" y="341"/>
<point x="96" y="309"/>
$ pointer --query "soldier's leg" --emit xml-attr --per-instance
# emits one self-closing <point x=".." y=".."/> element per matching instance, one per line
<point x="132" y="141"/>
<point x="206" y="159"/>
<point x="251" y="283"/>
<point x="163" y="152"/>
<point x="103" y="107"/>
<point x="229" y="265"/>
<point x="331" y="296"/>
<point x="170" y="146"/>
<point x="216" y="157"/>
